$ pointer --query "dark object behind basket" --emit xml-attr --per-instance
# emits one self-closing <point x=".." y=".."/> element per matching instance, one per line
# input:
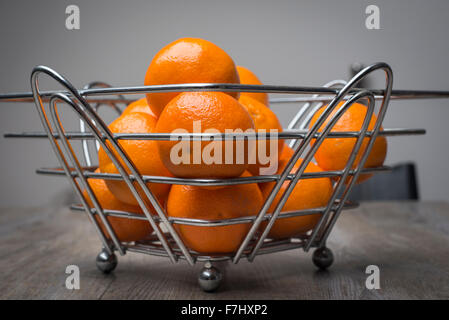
<point x="399" y="184"/>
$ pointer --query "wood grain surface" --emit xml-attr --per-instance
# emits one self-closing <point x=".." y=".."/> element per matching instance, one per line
<point x="408" y="241"/>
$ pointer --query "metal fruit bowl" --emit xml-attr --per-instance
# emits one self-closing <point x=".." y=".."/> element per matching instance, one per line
<point x="165" y="241"/>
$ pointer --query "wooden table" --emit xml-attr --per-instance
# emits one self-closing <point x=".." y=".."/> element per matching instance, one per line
<point x="408" y="241"/>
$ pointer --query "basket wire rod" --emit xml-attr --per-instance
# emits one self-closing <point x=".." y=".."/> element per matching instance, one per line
<point x="206" y="182"/>
<point x="55" y="146"/>
<point x="228" y="87"/>
<point x="213" y="223"/>
<point x="69" y="151"/>
<point x="349" y="164"/>
<point x="184" y="87"/>
<point x="418" y="95"/>
<point x="380" y="116"/>
<point x="85" y="143"/>
<point x="293" y="123"/>
<point x="298" y="152"/>
<point x="156" y="206"/>
<point x="275" y="247"/>
<point x="299" y="172"/>
<point x="279" y="100"/>
<point x="283" y="177"/>
<point x="125" y="176"/>
<point x="364" y="157"/>
<point x="312" y="109"/>
<point x="286" y="134"/>
<point x="93" y="125"/>
<point x="400" y="95"/>
<point x="100" y="125"/>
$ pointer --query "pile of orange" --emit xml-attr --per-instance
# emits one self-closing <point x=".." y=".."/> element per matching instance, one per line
<point x="191" y="60"/>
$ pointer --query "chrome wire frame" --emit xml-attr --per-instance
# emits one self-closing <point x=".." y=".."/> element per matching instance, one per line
<point x="307" y="111"/>
<point x="167" y="242"/>
<point x="300" y="150"/>
<point x="96" y="106"/>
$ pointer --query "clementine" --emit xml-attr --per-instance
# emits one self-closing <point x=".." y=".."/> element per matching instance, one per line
<point x="140" y="105"/>
<point x="217" y="204"/>
<point x="266" y="120"/>
<point x="212" y="112"/>
<point x="307" y="194"/>
<point x="248" y="77"/>
<point x="188" y="60"/>
<point x="143" y="153"/>
<point x="125" y="229"/>
<point x="287" y="153"/>
<point x="334" y="153"/>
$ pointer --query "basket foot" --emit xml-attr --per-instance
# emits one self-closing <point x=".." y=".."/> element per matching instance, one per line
<point x="323" y="258"/>
<point x="106" y="262"/>
<point x="209" y="278"/>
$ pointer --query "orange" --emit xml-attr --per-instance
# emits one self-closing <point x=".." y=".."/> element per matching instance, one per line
<point x="284" y="158"/>
<point x="307" y="194"/>
<point x="248" y="77"/>
<point x="264" y="119"/>
<point x="188" y="60"/>
<point x="211" y="112"/>
<point x="287" y="153"/>
<point x="225" y="203"/>
<point x="125" y="229"/>
<point x="143" y="153"/>
<point x="333" y="154"/>
<point x="140" y="105"/>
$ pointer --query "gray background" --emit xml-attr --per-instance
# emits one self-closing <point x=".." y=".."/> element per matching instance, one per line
<point x="284" y="42"/>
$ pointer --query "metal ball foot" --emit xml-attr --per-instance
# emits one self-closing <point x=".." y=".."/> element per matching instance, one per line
<point x="106" y="262"/>
<point x="323" y="258"/>
<point x="209" y="278"/>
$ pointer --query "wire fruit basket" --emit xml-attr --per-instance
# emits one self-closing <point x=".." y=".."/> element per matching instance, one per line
<point x="165" y="241"/>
